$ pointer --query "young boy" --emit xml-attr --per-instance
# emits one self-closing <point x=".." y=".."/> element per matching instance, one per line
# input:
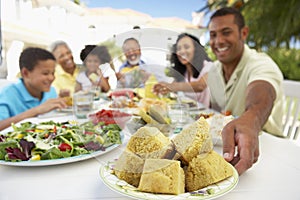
<point x="32" y="94"/>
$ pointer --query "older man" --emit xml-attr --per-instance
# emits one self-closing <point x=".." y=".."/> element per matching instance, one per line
<point x="132" y="51"/>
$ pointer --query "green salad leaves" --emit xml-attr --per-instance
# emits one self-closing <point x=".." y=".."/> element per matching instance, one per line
<point x="52" y="140"/>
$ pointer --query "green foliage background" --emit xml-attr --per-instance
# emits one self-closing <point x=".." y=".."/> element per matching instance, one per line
<point x="288" y="61"/>
<point x="114" y="50"/>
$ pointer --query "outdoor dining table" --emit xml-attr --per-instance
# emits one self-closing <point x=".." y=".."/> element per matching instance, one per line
<point x="276" y="175"/>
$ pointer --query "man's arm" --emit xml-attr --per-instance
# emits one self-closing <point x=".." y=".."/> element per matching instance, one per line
<point x="243" y="132"/>
<point x="260" y="97"/>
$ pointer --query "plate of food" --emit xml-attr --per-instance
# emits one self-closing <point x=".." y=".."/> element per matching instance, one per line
<point x="67" y="109"/>
<point x="69" y="102"/>
<point x="216" y="121"/>
<point x="154" y="166"/>
<point x="210" y="192"/>
<point x="109" y="116"/>
<point x="52" y="143"/>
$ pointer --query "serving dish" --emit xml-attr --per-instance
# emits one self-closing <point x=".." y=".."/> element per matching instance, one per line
<point x="51" y="143"/>
<point x="210" y="192"/>
<point x="61" y="160"/>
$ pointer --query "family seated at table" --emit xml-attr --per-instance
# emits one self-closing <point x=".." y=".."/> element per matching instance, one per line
<point x="241" y="80"/>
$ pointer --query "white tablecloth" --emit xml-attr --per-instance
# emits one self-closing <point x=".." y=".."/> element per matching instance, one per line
<point x="275" y="176"/>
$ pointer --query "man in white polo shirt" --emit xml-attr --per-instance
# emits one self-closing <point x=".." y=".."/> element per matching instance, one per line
<point x="245" y="83"/>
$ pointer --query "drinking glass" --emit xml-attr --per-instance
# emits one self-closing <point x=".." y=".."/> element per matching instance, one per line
<point x="178" y="113"/>
<point x="83" y="104"/>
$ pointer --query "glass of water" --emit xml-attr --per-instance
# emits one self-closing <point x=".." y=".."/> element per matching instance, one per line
<point x="178" y="113"/>
<point x="83" y="104"/>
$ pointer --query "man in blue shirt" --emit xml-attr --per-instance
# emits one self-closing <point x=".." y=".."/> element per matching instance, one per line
<point x="32" y="94"/>
<point x="132" y="73"/>
<point x="132" y="51"/>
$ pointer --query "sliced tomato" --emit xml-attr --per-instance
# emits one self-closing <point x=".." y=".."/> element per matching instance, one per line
<point x="107" y="116"/>
<point x="227" y="113"/>
<point x="65" y="147"/>
<point x="88" y="133"/>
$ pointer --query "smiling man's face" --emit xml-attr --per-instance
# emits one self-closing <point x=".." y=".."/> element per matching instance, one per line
<point x="132" y="52"/>
<point x="226" y="40"/>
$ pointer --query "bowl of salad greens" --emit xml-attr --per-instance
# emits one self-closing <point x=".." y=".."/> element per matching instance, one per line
<point x="35" y="144"/>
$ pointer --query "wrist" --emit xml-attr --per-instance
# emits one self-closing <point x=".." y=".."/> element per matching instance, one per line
<point x="173" y="87"/>
<point x="34" y="112"/>
<point x="256" y="119"/>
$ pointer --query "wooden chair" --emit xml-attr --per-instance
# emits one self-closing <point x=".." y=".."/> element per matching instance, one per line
<point x="291" y="121"/>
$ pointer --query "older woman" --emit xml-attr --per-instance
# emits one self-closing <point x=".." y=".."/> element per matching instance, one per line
<point x="66" y="70"/>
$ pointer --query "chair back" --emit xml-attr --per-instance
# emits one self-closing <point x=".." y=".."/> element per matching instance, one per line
<point x="291" y="119"/>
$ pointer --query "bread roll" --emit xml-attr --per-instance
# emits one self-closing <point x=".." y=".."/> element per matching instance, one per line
<point x="158" y="113"/>
<point x="129" y="167"/>
<point x="162" y="176"/>
<point x="193" y="140"/>
<point x="149" y="142"/>
<point x="205" y="170"/>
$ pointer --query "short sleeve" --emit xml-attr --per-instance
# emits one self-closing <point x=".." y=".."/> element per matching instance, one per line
<point x="267" y="70"/>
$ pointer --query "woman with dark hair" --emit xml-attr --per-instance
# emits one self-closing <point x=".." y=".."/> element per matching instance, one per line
<point x="93" y="58"/>
<point x="190" y="64"/>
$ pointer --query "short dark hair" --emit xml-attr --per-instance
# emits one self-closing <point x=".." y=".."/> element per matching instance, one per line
<point x="238" y="17"/>
<point x="136" y="27"/>
<point x="30" y="57"/>
<point x="100" y="51"/>
<point x="85" y="51"/>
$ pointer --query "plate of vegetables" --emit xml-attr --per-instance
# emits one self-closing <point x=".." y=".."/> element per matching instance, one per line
<point x="109" y="116"/>
<point x="52" y="143"/>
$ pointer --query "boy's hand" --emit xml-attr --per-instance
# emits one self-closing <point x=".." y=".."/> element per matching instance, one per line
<point x="51" y="104"/>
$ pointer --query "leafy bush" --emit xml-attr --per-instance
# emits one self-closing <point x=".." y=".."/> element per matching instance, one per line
<point x="114" y="50"/>
<point x="288" y="61"/>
